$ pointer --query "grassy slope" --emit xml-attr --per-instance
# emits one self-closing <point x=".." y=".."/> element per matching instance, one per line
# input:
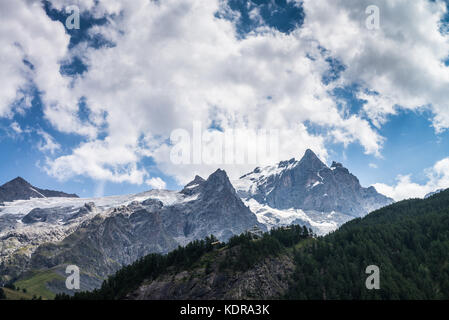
<point x="17" y="294"/>
<point x="36" y="283"/>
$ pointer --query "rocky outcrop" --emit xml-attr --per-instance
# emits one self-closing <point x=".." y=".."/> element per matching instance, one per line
<point x="22" y="235"/>
<point x="267" y="279"/>
<point x="20" y="189"/>
<point x="212" y="206"/>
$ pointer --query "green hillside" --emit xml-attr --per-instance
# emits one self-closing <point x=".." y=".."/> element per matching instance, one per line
<point x="36" y="283"/>
<point x="408" y="241"/>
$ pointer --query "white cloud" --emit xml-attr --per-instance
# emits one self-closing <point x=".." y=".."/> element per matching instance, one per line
<point x="402" y="61"/>
<point x="174" y="62"/>
<point x="33" y="47"/>
<point x="48" y="143"/>
<point x="26" y="33"/>
<point x="156" y="183"/>
<point x="100" y="160"/>
<point x="437" y="178"/>
<point x="182" y="64"/>
<point x="16" y="127"/>
<point x="293" y="142"/>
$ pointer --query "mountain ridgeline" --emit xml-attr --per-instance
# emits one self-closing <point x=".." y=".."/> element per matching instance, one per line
<point x="20" y="189"/>
<point x="408" y="241"/>
<point x="307" y="192"/>
<point x="309" y="184"/>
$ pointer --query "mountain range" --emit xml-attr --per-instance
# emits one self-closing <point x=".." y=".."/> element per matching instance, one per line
<point x="47" y="230"/>
<point x="407" y="241"/>
<point x="100" y="238"/>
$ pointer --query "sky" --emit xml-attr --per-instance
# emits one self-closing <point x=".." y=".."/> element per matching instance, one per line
<point x="101" y="110"/>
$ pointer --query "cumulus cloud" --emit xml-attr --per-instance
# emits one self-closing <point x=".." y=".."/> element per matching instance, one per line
<point x="237" y="151"/>
<point x="405" y="188"/>
<point x="33" y="47"/>
<point x="175" y="62"/>
<point x="402" y="62"/>
<point x="182" y="64"/>
<point x="100" y="160"/>
<point x="47" y="143"/>
<point x="156" y="183"/>
<point x="19" y="42"/>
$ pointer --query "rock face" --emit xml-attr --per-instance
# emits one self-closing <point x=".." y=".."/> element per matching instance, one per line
<point x="268" y="278"/>
<point x="214" y="208"/>
<point x="19" y="189"/>
<point x="21" y="235"/>
<point x="117" y="236"/>
<point x="308" y="185"/>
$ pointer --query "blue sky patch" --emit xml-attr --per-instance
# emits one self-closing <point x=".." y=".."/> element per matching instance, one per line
<point x="282" y="15"/>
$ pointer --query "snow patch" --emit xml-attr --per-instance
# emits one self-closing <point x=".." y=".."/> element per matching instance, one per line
<point x="34" y="190"/>
<point x="321" y="222"/>
<point x="22" y="207"/>
<point x="317" y="183"/>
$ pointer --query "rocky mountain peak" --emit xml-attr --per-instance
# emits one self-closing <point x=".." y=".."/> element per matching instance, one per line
<point x="20" y="189"/>
<point x="193" y="186"/>
<point x="197" y="180"/>
<point x="311" y="161"/>
<point x="219" y="179"/>
<point x="286" y="163"/>
<point x="310" y="153"/>
<point x="336" y="165"/>
<point x="310" y="185"/>
<point x="19" y="181"/>
<point x="219" y="174"/>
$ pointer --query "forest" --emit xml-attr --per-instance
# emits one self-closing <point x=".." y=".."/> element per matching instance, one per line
<point x="408" y="241"/>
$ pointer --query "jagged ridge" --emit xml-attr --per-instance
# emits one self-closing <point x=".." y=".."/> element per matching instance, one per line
<point x="20" y="189"/>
